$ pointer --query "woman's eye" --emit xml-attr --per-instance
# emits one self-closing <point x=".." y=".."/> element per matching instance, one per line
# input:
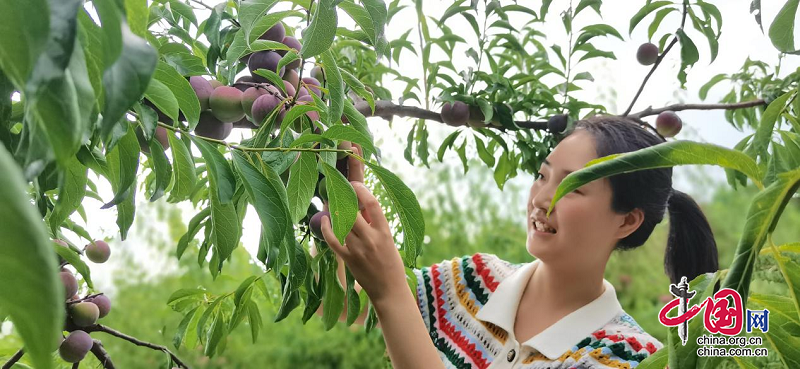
<point x="539" y="176"/>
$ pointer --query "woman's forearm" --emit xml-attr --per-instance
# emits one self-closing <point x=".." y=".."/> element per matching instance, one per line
<point x="407" y="340"/>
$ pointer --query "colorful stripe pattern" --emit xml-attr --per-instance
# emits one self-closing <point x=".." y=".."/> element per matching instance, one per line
<point x="452" y="292"/>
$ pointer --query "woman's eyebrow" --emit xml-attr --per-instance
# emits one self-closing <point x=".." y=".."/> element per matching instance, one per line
<point x="547" y="162"/>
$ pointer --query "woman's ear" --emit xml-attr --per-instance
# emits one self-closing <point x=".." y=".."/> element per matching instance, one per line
<point x="630" y="223"/>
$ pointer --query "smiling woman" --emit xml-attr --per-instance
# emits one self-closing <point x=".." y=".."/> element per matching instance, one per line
<point x="557" y="311"/>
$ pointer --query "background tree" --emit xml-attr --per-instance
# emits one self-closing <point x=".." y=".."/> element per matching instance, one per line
<point x="82" y="98"/>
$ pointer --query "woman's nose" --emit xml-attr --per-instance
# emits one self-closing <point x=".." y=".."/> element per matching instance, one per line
<point x="542" y="198"/>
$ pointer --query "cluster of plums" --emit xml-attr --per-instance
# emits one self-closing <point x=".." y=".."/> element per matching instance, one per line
<point x="84" y="312"/>
<point x="251" y="99"/>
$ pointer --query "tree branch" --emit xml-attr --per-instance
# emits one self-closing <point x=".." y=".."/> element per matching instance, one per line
<point x="678" y="107"/>
<point x="14" y="359"/>
<point x="137" y="342"/>
<point x="100" y="353"/>
<point x="655" y="65"/>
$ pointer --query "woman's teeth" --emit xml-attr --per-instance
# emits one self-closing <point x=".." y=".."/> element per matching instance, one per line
<point x="543" y="228"/>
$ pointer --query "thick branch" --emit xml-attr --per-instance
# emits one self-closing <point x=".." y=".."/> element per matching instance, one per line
<point x="102" y="356"/>
<point x="14" y="359"/>
<point x="678" y="107"/>
<point x="137" y="342"/>
<point x="655" y="65"/>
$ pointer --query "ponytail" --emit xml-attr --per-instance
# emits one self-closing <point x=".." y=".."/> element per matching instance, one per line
<point x="691" y="248"/>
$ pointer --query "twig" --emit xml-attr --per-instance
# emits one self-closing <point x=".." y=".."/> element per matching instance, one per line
<point x="656" y="64"/>
<point x="251" y="149"/>
<point x="137" y="342"/>
<point x="678" y="107"/>
<point x="76" y="365"/>
<point x="14" y="359"/>
<point x="102" y="355"/>
<point x="202" y="4"/>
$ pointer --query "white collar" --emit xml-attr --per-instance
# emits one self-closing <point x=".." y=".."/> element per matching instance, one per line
<point x="501" y="310"/>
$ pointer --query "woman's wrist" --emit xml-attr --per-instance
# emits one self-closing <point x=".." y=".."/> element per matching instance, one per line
<point x="391" y="296"/>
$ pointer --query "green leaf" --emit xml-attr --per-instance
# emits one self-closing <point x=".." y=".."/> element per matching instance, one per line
<point x="657" y="21"/>
<point x="193" y="228"/>
<point x="483" y="153"/>
<point x="333" y="296"/>
<point x="356" y="85"/>
<point x="123" y="163"/>
<point x="644" y="11"/>
<point x="703" y="93"/>
<point x="377" y="11"/>
<point x="657" y="360"/>
<point x="762" y="217"/>
<point x="216" y="333"/>
<point x="24" y="28"/>
<point x="346" y="133"/>
<point x="335" y="85"/>
<point x="765" y="127"/>
<point x="250" y="12"/>
<point x="667" y="154"/>
<point x="405" y="204"/>
<point x="74" y="259"/>
<point x="182" y="90"/>
<point x="689" y="55"/>
<point x="361" y="17"/>
<point x="783" y="325"/>
<point x="319" y="35"/>
<point x="162" y="97"/>
<point x="35" y="301"/>
<point x="183" y="175"/>
<point x="219" y="170"/>
<point x="589" y="32"/>
<point x="254" y="317"/>
<point x="781" y="31"/>
<point x="126" y="80"/>
<point x="225" y="226"/>
<point x="266" y="192"/>
<point x="790" y="269"/>
<point x="342" y="201"/>
<point x="448" y="142"/>
<point x="180" y="332"/>
<point x="161" y="167"/>
<point x="300" y="189"/>
<point x="58" y="95"/>
<point x="71" y="190"/>
<point x="353" y="301"/>
<point x="273" y="78"/>
<point x="295" y="112"/>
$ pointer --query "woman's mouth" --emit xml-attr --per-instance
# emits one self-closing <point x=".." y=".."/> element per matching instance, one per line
<point x="543" y="228"/>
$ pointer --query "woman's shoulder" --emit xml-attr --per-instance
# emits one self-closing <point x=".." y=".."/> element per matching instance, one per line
<point x="621" y="340"/>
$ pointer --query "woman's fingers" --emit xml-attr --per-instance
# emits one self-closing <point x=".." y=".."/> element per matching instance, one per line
<point x="355" y="168"/>
<point x="372" y="208"/>
<point x="331" y="239"/>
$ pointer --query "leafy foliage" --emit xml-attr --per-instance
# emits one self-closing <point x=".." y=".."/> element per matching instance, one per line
<point x="101" y="90"/>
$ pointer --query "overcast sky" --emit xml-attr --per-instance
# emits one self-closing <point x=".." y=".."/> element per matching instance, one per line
<point x="616" y="81"/>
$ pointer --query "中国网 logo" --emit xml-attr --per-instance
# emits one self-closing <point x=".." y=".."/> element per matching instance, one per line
<point x="724" y="314"/>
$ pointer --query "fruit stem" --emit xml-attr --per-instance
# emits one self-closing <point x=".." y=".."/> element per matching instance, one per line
<point x="13" y="360"/>
<point x="658" y="61"/>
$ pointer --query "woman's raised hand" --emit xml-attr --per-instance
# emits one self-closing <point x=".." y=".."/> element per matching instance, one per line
<point x="369" y="250"/>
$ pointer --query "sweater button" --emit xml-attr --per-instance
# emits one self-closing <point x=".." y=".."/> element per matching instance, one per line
<point x="511" y="355"/>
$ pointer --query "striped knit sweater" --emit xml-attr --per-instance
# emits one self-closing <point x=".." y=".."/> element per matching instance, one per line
<point x="451" y="295"/>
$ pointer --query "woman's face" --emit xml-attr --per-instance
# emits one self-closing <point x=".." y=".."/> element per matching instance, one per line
<point x="585" y="226"/>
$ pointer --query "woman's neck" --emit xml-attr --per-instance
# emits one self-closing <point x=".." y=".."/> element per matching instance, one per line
<point x="563" y="287"/>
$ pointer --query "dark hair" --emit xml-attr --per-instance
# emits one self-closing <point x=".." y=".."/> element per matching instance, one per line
<point x="691" y="248"/>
